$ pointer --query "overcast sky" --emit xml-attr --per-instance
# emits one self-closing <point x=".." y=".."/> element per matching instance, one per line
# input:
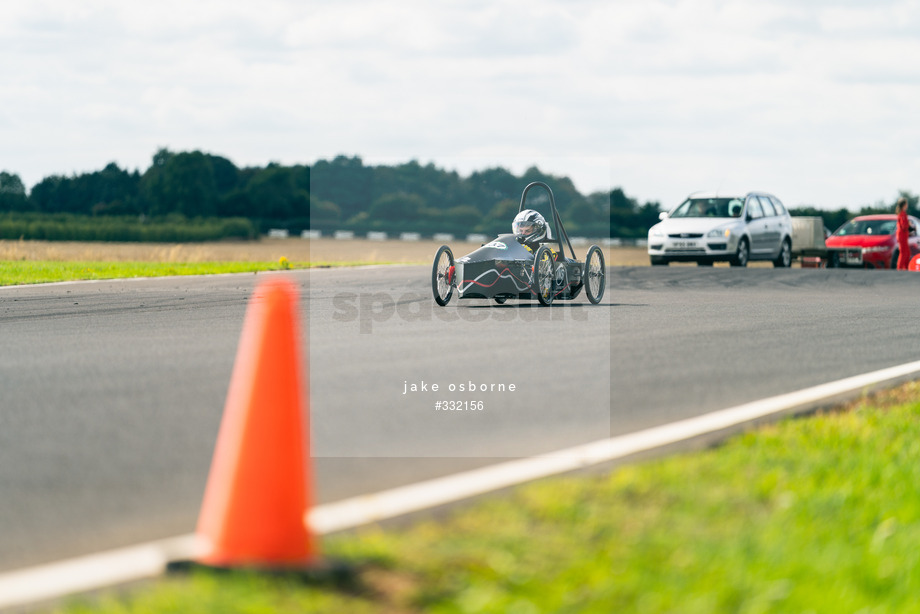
<point x="817" y="102"/>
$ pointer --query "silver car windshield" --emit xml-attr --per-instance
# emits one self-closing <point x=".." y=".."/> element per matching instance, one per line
<point x="709" y="207"/>
<point x="867" y="227"/>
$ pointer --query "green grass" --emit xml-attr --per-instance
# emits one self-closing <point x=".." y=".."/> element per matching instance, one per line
<point x="819" y="514"/>
<point x="19" y="272"/>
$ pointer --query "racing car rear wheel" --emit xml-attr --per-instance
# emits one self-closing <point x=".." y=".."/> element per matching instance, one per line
<point x="442" y="282"/>
<point x="544" y="275"/>
<point x="595" y="274"/>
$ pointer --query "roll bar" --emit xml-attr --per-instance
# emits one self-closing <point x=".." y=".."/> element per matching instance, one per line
<point x="557" y="221"/>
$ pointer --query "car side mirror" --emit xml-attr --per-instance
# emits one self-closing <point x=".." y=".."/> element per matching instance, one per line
<point x="663" y="215"/>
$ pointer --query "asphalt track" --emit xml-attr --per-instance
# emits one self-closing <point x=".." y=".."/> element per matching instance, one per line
<point x="112" y="391"/>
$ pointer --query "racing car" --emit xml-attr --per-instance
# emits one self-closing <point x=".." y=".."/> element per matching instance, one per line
<point x="521" y="265"/>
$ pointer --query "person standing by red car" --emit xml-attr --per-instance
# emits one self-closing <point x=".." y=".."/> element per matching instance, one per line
<point x="902" y="233"/>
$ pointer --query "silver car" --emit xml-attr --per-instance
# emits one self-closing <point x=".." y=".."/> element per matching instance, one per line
<point x="707" y="228"/>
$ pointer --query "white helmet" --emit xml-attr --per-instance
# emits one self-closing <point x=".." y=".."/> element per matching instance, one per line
<point x="529" y="226"/>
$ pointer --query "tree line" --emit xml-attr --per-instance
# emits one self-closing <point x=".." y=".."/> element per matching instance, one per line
<point x="188" y="184"/>
<point x="341" y="193"/>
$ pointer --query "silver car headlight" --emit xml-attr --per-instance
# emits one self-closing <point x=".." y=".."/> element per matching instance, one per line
<point x="719" y="233"/>
<point x="656" y="232"/>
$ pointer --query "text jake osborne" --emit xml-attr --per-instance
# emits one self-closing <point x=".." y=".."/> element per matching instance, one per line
<point x="467" y="386"/>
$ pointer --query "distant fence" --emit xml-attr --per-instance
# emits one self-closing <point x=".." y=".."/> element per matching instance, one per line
<point x="471" y="238"/>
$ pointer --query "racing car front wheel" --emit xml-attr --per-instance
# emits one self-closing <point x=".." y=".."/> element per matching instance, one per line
<point x="442" y="273"/>
<point x="595" y="274"/>
<point x="544" y="275"/>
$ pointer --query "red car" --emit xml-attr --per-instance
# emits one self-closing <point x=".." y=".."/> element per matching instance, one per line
<point x="869" y="241"/>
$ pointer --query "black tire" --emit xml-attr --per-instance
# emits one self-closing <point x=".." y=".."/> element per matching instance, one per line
<point x="441" y="285"/>
<point x="704" y="263"/>
<point x="544" y="276"/>
<point x="894" y="259"/>
<point x="658" y="261"/>
<point x="784" y="259"/>
<point x="742" y="255"/>
<point x="500" y="299"/>
<point x="595" y="277"/>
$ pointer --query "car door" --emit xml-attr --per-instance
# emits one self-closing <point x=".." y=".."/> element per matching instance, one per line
<point x="756" y="227"/>
<point x="783" y="220"/>
<point x="772" y="226"/>
<point x="914" y="238"/>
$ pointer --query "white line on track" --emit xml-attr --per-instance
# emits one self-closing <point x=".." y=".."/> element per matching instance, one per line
<point x="96" y="571"/>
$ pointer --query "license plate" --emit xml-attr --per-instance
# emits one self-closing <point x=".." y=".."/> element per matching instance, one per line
<point x="852" y="257"/>
<point x="683" y="244"/>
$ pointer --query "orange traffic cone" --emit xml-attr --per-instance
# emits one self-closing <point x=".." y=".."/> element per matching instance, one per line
<point x="258" y="489"/>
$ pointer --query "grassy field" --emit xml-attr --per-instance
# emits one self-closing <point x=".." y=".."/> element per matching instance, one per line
<point x="240" y="251"/>
<point x="266" y="250"/>
<point x="30" y="262"/>
<point x="808" y="515"/>
<point x="23" y="262"/>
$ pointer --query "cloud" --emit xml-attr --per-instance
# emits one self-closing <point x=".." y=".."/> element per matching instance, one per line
<point x="813" y="101"/>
